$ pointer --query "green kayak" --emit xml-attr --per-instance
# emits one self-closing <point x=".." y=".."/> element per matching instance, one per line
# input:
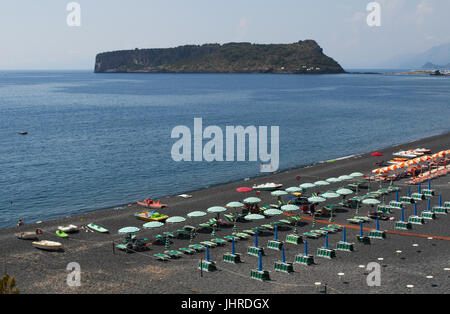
<point x="61" y="234"/>
<point x="97" y="228"/>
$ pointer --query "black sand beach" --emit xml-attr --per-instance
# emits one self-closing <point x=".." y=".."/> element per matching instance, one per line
<point x="102" y="271"/>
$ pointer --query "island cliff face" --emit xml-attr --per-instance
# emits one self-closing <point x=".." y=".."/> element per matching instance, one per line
<point x="303" y="57"/>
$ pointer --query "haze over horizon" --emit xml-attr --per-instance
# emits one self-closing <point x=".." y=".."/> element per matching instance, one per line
<point x="35" y="35"/>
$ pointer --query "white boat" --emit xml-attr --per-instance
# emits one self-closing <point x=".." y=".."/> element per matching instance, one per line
<point x="267" y="187"/>
<point x="68" y="229"/>
<point x="27" y="235"/>
<point x="47" y="245"/>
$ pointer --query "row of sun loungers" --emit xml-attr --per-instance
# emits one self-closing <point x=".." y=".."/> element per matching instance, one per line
<point x="434" y="173"/>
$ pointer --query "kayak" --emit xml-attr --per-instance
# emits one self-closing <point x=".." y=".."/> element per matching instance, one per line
<point x="150" y="216"/>
<point x="47" y="245"/>
<point x="97" y="228"/>
<point x="61" y="234"/>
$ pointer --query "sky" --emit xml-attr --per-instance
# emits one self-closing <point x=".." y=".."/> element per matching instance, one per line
<point x="35" y="34"/>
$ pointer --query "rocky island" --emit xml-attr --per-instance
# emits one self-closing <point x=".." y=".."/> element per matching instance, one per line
<point x="303" y="57"/>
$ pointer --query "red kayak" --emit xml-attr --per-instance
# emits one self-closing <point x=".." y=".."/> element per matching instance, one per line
<point x="151" y="204"/>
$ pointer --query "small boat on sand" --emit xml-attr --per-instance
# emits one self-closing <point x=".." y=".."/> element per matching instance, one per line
<point x="267" y="187"/>
<point x="61" y="234"/>
<point x="97" y="228"/>
<point x="27" y="235"/>
<point x="150" y="216"/>
<point x="148" y="202"/>
<point x="68" y="229"/>
<point x="47" y="245"/>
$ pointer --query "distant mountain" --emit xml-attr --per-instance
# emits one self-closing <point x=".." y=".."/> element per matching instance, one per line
<point x="436" y="55"/>
<point x="303" y="57"/>
<point x="433" y="66"/>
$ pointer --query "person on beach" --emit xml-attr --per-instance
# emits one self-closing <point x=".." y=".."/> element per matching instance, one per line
<point x="312" y="209"/>
<point x="19" y="223"/>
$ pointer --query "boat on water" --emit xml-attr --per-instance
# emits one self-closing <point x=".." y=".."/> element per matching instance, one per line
<point x="23" y="133"/>
<point x="97" y="228"/>
<point x="68" y="229"/>
<point x="267" y="187"/>
<point x="47" y="245"/>
<point x="148" y="202"/>
<point x="150" y="216"/>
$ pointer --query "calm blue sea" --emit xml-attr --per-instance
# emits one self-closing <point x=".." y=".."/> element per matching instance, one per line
<point x="98" y="140"/>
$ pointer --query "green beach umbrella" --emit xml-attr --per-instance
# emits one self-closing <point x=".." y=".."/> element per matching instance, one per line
<point x="289" y="207"/>
<point x="293" y="189"/>
<point x="197" y="213"/>
<point x="216" y="209"/>
<point x="321" y="183"/>
<point x="371" y="201"/>
<point x="345" y="177"/>
<point x="254" y="217"/>
<point x="152" y="224"/>
<point x="356" y="174"/>
<point x="128" y="230"/>
<point x="316" y="199"/>
<point x="279" y="193"/>
<point x="273" y="212"/>
<point x="329" y="195"/>
<point x="175" y="219"/>
<point x="234" y="204"/>
<point x="333" y="180"/>
<point x="344" y="191"/>
<point x="307" y="185"/>
<point x="252" y="200"/>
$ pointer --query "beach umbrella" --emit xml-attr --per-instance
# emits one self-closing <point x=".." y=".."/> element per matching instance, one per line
<point x="376" y="154"/>
<point x="197" y="213"/>
<point x="254" y="217"/>
<point x="344" y="191"/>
<point x="321" y="183"/>
<point x="293" y="189"/>
<point x="175" y="219"/>
<point x="234" y="204"/>
<point x="371" y="201"/>
<point x="273" y="212"/>
<point x="128" y="230"/>
<point x="333" y="180"/>
<point x="252" y="200"/>
<point x="297" y="194"/>
<point x="289" y="207"/>
<point x="329" y="195"/>
<point x="316" y="199"/>
<point x="279" y="193"/>
<point x="244" y="189"/>
<point x="307" y="185"/>
<point x="216" y="209"/>
<point x="345" y="177"/>
<point x="152" y="224"/>
<point x="356" y="174"/>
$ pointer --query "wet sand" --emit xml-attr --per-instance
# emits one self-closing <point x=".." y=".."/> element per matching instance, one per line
<point x="103" y="271"/>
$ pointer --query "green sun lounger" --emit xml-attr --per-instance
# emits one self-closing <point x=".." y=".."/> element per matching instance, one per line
<point x="230" y="238"/>
<point x="364" y="218"/>
<point x="311" y="235"/>
<point x="122" y="247"/>
<point x="219" y="241"/>
<point x="328" y="229"/>
<point x="318" y="231"/>
<point x="268" y="226"/>
<point x="241" y="235"/>
<point x="354" y="220"/>
<point x="197" y="247"/>
<point x="337" y="227"/>
<point x="249" y="231"/>
<point x="209" y="243"/>
<point x="186" y="250"/>
<point x="161" y="257"/>
<point x="286" y="221"/>
<point x="173" y="253"/>
<point x="169" y="234"/>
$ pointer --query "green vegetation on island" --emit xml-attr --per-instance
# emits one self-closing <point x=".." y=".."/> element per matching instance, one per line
<point x="303" y="57"/>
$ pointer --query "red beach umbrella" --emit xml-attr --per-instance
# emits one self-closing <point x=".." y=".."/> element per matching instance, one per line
<point x="244" y="189"/>
<point x="376" y="154"/>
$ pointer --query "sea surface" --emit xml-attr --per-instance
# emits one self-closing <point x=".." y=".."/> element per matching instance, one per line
<point x="100" y="140"/>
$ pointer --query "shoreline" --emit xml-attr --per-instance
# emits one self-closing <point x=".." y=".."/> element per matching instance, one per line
<point x="240" y="180"/>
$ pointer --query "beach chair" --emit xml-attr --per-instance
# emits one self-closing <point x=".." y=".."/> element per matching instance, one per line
<point x="219" y="241"/>
<point x="169" y="234"/>
<point x="311" y="235"/>
<point x="328" y="229"/>
<point x="318" y="231"/>
<point x="337" y="227"/>
<point x="268" y="226"/>
<point x="354" y="220"/>
<point x="161" y="257"/>
<point x="249" y="231"/>
<point x="173" y="253"/>
<point x="241" y="235"/>
<point x="363" y="218"/>
<point x="197" y="247"/>
<point x="209" y="243"/>
<point x="230" y="238"/>
<point x="286" y="221"/>
<point x="187" y="251"/>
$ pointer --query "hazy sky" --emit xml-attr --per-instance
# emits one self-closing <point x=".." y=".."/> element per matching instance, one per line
<point x="35" y="35"/>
